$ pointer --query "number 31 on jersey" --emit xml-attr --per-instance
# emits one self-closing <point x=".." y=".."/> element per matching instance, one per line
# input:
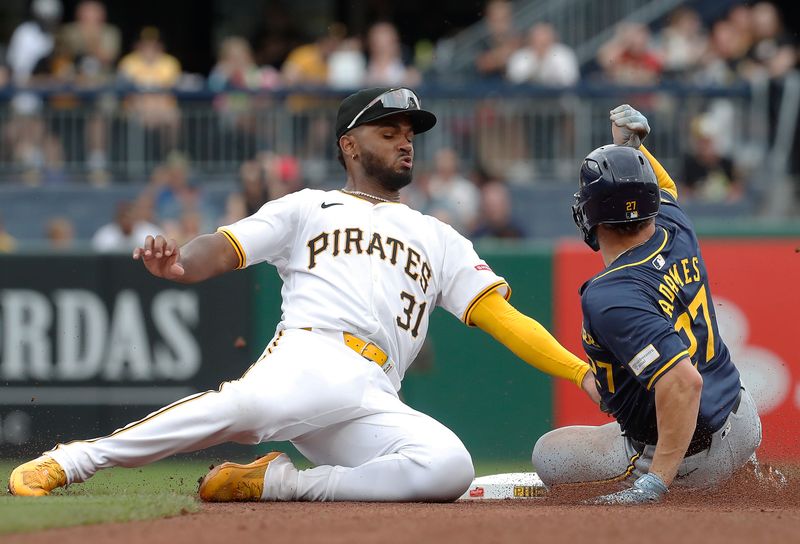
<point x="404" y="321"/>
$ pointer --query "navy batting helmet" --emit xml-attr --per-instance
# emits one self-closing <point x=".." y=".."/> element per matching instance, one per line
<point x="617" y="185"/>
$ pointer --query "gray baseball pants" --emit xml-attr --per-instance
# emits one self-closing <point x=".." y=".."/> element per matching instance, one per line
<point x="602" y="454"/>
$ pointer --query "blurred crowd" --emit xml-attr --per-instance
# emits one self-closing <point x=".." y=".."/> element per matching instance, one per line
<point x="84" y="50"/>
<point x="749" y="42"/>
<point x="174" y="204"/>
<point x="87" y="53"/>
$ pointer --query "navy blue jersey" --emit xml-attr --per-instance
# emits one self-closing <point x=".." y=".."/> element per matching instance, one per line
<point x="647" y="311"/>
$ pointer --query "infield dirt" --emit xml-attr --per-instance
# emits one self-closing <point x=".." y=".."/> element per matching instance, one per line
<point x="745" y="510"/>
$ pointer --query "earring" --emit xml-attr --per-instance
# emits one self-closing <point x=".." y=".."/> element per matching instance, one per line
<point x="353" y="156"/>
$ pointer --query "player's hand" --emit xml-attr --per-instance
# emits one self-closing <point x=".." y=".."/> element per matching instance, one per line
<point x="647" y="489"/>
<point x="590" y="387"/>
<point x="628" y="126"/>
<point x="161" y="257"/>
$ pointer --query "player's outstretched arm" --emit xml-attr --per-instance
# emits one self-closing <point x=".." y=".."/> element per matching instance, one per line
<point x="531" y="342"/>
<point x="677" y="404"/>
<point x="203" y="257"/>
<point x="629" y="127"/>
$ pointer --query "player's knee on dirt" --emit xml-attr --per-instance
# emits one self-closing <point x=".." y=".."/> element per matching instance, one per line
<point x="447" y="475"/>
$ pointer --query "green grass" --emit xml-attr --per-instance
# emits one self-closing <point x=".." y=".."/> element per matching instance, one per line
<point x="163" y="489"/>
<point x="159" y="490"/>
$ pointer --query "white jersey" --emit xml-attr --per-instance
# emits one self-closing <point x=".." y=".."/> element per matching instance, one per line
<point x="374" y="270"/>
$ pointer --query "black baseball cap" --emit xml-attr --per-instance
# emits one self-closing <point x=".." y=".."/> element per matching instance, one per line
<point x="369" y="105"/>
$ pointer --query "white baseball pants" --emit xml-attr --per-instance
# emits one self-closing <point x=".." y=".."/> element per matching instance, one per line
<point x="339" y="409"/>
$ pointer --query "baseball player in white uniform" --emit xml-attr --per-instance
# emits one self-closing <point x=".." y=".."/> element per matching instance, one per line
<point x="361" y="275"/>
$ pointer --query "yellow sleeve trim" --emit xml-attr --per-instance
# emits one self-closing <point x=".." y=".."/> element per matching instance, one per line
<point x="527" y="339"/>
<point x="672" y="362"/>
<point x="480" y="296"/>
<point x="237" y="247"/>
<point x="664" y="180"/>
<point x="646" y="259"/>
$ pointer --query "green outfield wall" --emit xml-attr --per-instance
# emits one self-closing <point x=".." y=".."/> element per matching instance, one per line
<point x="496" y="403"/>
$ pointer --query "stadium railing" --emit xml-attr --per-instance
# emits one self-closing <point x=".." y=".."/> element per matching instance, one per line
<point x="522" y="133"/>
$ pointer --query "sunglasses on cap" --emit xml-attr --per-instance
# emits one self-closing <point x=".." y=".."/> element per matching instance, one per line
<point x="403" y="99"/>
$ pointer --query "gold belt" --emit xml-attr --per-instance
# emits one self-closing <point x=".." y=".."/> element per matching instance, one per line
<point x="367" y="350"/>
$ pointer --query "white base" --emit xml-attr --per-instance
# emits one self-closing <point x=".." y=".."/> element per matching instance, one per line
<point x="514" y="485"/>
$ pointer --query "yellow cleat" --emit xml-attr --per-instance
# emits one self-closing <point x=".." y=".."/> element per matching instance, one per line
<point x="230" y="482"/>
<point x="36" y="478"/>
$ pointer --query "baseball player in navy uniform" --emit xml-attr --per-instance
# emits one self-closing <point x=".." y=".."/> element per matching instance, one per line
<point x="361" y="275"/>
<point x="650" y="332"/>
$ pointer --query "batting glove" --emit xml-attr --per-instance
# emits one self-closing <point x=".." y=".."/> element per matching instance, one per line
<point x="631" y="127"/>
<point x="646" y="489"/>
